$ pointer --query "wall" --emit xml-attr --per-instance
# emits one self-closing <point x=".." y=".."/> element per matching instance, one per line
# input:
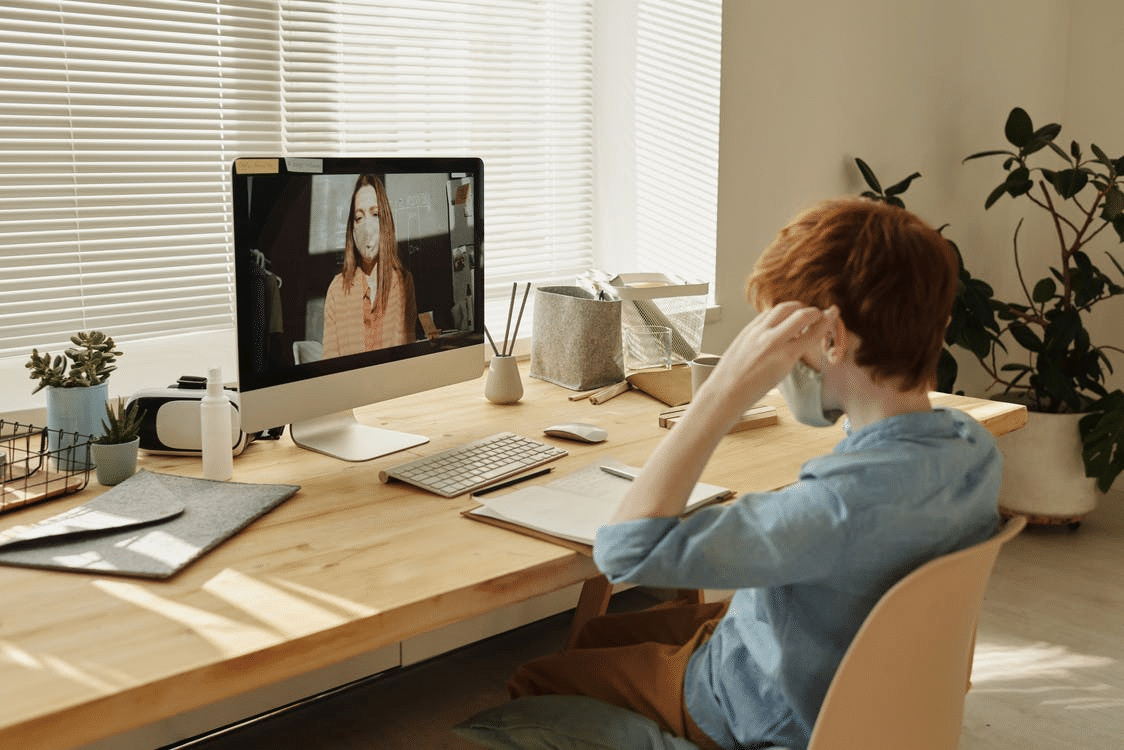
<point x="907" y="87"/>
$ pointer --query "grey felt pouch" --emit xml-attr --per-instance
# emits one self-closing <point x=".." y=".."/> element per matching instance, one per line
<point x="576" y="339"/>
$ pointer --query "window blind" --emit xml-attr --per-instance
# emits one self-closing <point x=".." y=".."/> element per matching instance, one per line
<point x="116" y="123"/>
<point x="678" y="73"/>
<point x="508" y="82"/>
<point x="120" y="121"/>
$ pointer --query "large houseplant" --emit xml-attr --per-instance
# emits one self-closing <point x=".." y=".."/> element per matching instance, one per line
<point x="1037" y="349"/>
<point x="1061" y="370"/>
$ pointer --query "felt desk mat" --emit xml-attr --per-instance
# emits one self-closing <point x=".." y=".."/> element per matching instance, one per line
<point x="151" y="525"/>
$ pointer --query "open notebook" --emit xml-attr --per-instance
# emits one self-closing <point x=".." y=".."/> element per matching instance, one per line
<point x="573" y="507"/>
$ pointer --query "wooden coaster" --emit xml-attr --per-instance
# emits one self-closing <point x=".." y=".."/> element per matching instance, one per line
<point x="757" y="416"/>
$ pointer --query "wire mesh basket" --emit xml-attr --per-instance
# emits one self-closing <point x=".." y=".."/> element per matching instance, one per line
<point x="37" y="463"/>
<point x="653" y="299"/>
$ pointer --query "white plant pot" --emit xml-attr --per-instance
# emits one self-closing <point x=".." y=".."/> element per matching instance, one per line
<point x="1043" y="474"/>
<point x="504" y="385"/>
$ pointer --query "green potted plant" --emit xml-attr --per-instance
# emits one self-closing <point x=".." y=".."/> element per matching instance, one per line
<point x="1037" y="349"/>
<point x="115" y="451"/>
<point x="1060" y="373"/>
<point x="77" y="392"/>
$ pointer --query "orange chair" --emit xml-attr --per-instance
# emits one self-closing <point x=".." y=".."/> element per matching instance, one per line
<point x="902" y="682"/>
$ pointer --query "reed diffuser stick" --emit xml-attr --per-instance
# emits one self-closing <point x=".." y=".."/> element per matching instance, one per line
<point x="490" y="341"/>
<point x="510" y="309"/>
<point x="519" y="319"/>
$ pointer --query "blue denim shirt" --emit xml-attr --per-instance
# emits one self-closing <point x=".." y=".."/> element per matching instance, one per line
<point x="809" y="562"/>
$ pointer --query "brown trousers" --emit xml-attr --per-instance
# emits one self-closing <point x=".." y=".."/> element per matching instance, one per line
<point x="635" y="660"/>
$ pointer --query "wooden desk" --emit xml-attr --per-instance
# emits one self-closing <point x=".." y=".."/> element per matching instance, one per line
<point x="345" y="566"/>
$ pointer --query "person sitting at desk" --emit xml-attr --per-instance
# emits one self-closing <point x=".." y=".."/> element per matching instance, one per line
<point x="853" y="299"/>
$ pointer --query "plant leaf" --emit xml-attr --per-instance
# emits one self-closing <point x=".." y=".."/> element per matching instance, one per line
<point x="1113" y="203"/>
<point x="1070" y="182"/>
<point x="868" y="176"/>
<point x="947" y="370"/>
<point x="1118" y="268"/>
<point x="1048" y="132"/>
<point x="1102" y="157"/>
<point x="1019" y="129"/>
<point x="1102" y="439"/>
<point x="900" y="187"/>
<point x="1044" y="290"/>
<point x="1018" y="182"/>
<point x="1059" y="151"/>
<point x="1062" y="331"/>
<point x="1027" y="338"/>
<point x="993" y="152"/>
<point x="998" y="193"/>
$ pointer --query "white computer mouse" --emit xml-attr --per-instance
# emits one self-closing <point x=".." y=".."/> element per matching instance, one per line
<point x="580" y="431"/>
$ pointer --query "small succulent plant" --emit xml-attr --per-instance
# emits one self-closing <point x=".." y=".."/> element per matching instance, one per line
<point x="121" y="423"/>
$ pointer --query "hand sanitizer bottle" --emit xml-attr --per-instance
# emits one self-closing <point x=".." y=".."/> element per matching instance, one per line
<point x="214" y="416"/>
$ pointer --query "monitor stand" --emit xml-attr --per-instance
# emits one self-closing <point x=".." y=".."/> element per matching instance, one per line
<point x="342" y="436"/>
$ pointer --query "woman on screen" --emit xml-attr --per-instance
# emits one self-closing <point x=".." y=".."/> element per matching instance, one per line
<point x="370" y="303"/>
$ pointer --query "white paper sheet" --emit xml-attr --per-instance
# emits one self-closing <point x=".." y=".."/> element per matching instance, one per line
<point x="575" y="506"/>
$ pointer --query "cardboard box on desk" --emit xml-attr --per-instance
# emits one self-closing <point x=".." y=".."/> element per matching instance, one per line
<point x="576" y="339"/>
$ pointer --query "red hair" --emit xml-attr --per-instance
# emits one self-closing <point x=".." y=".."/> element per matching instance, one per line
<point x="892" y="276"/>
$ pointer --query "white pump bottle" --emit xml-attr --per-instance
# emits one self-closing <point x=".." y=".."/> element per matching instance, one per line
<point x="215" y="421"/>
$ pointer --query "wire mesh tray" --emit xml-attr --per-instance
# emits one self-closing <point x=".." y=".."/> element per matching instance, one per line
<point x="37" y="463"/>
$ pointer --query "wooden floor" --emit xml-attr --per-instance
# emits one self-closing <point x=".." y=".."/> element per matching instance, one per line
<point x="1049" y="669"/>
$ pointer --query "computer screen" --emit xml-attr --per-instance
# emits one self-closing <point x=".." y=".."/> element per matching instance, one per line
<point x="357" y="280"/>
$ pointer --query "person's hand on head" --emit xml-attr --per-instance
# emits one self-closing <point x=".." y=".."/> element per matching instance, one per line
<point x="766" y="349"/>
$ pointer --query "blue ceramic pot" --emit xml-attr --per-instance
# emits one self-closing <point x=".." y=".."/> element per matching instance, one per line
<point x="74" y="417"/>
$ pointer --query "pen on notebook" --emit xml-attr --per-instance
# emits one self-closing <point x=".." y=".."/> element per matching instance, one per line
<point x="618" y="473"/>
<point x="510" y="482"/>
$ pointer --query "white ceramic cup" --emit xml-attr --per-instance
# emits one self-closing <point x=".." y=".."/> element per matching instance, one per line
<point x="701" y="367"/>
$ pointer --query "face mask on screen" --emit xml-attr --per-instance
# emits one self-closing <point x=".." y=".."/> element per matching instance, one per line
<point x="802" y="389"/>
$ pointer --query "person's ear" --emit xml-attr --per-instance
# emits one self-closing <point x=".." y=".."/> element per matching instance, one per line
<point x="835" y="342"/>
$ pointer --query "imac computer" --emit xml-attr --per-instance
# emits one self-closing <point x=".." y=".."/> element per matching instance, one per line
<point x="357" y="280"/>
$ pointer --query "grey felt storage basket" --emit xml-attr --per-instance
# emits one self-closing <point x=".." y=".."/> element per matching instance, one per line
<point x="576" y="339"/>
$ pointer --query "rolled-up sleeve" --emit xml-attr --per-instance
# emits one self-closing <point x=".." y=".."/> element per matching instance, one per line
<point x="760" y="539"/>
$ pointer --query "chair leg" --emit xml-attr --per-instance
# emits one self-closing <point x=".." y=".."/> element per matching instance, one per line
<point x="593" y="601"/>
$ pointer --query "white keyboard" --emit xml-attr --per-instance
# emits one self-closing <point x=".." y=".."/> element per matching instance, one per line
<point x="473" y="466"/>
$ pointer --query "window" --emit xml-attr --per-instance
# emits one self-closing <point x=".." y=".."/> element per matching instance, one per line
<point x="678" y="67"/>
<point x="119" y="121"/>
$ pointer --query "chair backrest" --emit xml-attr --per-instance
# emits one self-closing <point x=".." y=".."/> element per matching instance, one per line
<point x="902" y="682"/>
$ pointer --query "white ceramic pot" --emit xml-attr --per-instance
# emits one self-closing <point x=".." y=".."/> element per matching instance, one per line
<point x="1043" y="474"/>
<point x="504" y="385"/>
